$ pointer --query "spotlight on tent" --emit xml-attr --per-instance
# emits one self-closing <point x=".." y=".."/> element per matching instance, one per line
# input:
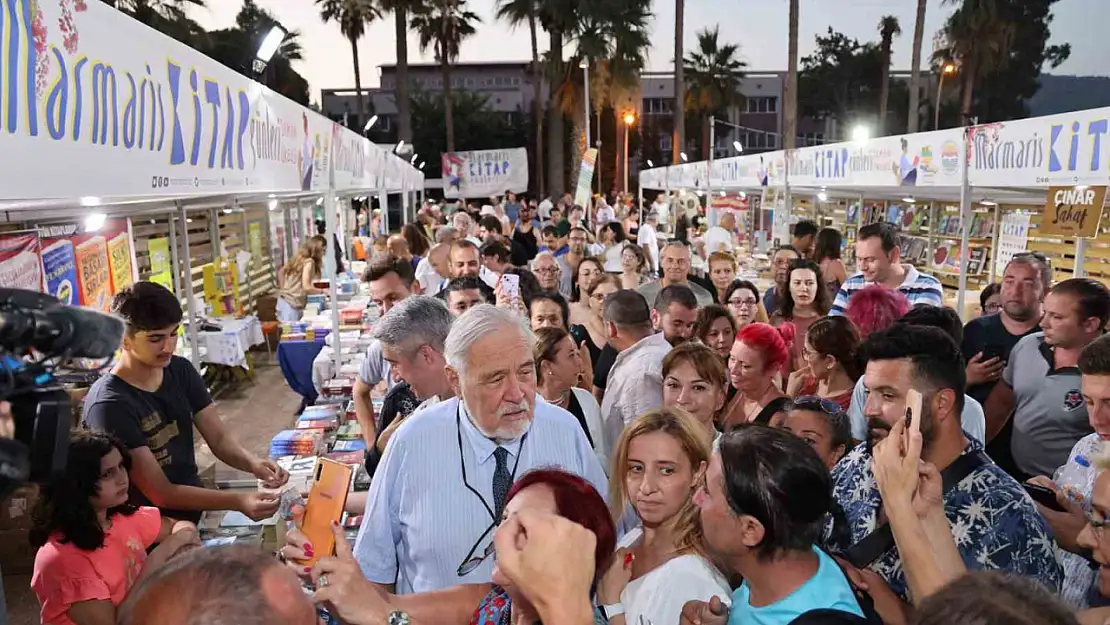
<point x="268" y="48"/>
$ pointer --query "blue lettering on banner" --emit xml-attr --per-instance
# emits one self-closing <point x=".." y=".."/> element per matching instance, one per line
<point x="1000" y="155"/>
<point x="1065" y="157"/>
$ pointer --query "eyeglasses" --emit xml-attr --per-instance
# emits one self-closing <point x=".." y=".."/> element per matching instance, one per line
<point x="1097" y="525"/>
<point x="741" y="303"/>
<point x="813" y="402"/>
<point x="473" y="561"/>
<point x="546" y="270"/>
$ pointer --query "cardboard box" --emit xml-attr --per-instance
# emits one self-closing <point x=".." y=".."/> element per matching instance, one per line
<point x="17" y="556"/>
<point x="15" y="513"/>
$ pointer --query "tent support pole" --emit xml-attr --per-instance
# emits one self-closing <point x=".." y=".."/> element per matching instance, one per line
<point x="250" y="263"/>
<point x="175" y="257"/>
<point x="993" y="271"/>
<point x="383" y="205"/>
<point x="190" y="298"/>
<point x="965" y="223"/>
<point x="406" y="203"/>
<point x="287" y="217"/>
<point x="1080" y="252"/>
<point x="330" y="204"/>
<point x="214" y="232"/>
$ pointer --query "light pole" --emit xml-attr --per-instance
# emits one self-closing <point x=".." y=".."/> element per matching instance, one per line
<point x="268" y="48"/>
<point x="629" y="119"/>
<point x="585" y="65"/>
<point x="947" y="69"/>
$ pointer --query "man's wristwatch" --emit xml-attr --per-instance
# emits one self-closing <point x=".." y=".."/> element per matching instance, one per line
<point x="398" y="617"/>
<point x="612" y="610"/>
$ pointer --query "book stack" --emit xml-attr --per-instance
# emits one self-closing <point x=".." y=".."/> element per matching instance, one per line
<point x="296" y="443"/>
<point x="324" y="417"/>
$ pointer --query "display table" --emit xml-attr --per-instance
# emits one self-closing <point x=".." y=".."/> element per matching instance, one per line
<point x="295" y="359"/>
<point x="229" y="345"/>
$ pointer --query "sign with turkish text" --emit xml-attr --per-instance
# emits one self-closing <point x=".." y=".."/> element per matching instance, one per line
<point x="477" y="174"/>
<point x="1073" y="211"/>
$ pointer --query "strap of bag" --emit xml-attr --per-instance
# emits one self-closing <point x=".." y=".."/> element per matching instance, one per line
<point x="879" y="541"/>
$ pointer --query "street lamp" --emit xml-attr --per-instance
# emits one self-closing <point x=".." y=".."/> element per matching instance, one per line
<point x="370" y="124"/>
<point x="629" y="119"/>
<point x="947" y="69"/>
<point x="412" y="161"/>
<point x="650" y="164"/>
<point x="860" y="134"/>
<point x="585" y="65"/>
<point x="400" y="144"/>
<point x="268" y="48"/>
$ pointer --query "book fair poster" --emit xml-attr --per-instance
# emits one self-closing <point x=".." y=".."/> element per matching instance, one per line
<point x="160" y="262"/>
<point x="19" y="261"/>
<point x="87" y="268"/>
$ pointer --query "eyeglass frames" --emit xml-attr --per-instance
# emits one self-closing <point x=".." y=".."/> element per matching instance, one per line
<point x="472" y="561"/>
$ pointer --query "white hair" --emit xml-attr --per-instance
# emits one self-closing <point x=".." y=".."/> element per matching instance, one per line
<point x="474" y="325"/>
<point x="461" y="221"/>
<point x="418" y="319"/>
<point x="543" y="255"/>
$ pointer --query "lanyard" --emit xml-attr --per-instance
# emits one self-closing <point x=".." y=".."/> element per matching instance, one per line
<point x="462" y="461"/>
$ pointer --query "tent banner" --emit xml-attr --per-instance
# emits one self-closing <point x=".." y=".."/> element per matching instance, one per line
<point x="485" y="173"/>
<point x="926" y="159"/>
<point x="96" y="104"/>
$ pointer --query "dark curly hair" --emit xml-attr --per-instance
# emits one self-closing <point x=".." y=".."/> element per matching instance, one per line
<point x="63" y="506"/>
<point x="821" y="295"/>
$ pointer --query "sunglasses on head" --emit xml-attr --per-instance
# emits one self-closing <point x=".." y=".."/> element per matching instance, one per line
<point x="815" y="403"/>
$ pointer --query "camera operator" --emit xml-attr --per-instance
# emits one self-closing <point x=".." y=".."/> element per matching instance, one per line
<point x="152" y="399"/>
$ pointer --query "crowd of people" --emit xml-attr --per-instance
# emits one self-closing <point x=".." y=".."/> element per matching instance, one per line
<point x="611" y="437"/>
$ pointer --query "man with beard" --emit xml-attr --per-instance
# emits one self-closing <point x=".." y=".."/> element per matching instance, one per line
<point x="988" y="340"/>
<point x="578" y="240"/>
<point x="995" y="522"/>
<point x="675" y="313"/>
<point x="440" y="489"/>
<point x="780" y="268"/>
<point x="971" y="417"/>
<point x="1040" y="390"/>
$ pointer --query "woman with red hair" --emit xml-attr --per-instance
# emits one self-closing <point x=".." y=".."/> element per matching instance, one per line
<point x="758" y="358"/>
<point x="550" y="491"/>
<point x="875" y="308"/>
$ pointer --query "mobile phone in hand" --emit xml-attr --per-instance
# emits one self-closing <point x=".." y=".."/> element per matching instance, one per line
<point x="510" y="286"/>
<point x="1043" y="496"/>
<point x="913" y="408"/>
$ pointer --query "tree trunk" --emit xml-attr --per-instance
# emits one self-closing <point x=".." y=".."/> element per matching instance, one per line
<point x="707" y="145"/>
<point x="884" y="92"/>
<point x="358" y="83"/>
<point x="401" y="94"/>
<point x="968" y="90"/>
<point x="790" y="92"/>
<point x="679" y="138"/>
<point x="556" y="135"/>
<point x="537" y="103"/>
<point x="448" y="103"/>
<point x="915" y="69"/>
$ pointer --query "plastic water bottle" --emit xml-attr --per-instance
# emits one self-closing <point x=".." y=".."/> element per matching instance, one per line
<point x="1073" y="477"/>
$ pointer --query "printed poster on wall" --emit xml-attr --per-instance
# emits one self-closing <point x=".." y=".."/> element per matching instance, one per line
<point x="119" y="261"/>
<point x="59" y="267"/>
<point x="19" y="261"/>
<point x="484" y="173"/>
<point x="1013" y="236"/>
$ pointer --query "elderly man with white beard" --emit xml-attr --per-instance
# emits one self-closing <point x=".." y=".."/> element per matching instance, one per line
<point x="439" y="490"/>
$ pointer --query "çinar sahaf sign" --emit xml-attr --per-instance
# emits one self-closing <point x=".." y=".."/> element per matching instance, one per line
<point x="1073" y="211"/>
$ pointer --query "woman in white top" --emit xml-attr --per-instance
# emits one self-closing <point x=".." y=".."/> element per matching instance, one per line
<point x="611" y="236"/>
<point x="658" y="463"/>
<point x="559" y="365"/>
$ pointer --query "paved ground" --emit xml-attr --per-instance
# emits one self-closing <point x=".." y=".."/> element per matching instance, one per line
<point x="254" y="413"/>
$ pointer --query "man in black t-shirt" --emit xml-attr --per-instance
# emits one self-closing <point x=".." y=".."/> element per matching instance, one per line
<point x="151" y="400"/>
<point x="988" y="340"/>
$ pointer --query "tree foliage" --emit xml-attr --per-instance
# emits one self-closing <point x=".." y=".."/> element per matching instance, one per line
<point x="477" y="126"/>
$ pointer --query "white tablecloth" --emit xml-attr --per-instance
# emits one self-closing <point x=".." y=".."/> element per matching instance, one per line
<point x="229" y="346"/>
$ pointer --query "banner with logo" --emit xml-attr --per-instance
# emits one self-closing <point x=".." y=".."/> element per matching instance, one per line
<point x="19" y="261"/>
<point x="583" y="190"/>
<point x="1073" y="212"/>
<point x="481" y="173"/>
<point x="923" y="159"/>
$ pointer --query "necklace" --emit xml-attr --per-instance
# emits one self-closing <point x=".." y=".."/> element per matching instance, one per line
<point x="563" y="397"/>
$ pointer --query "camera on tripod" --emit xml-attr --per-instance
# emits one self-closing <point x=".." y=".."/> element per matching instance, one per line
<point x="38" y="333"/>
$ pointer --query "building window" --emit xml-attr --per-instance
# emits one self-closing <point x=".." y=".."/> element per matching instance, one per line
<point x="658" y="106"/>
<point x="762" y="104"/>
<point x="516" y="81"/>
<point x="665" y="143"/>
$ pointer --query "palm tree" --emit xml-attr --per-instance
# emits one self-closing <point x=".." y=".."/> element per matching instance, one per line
<point x="166" y="16"/>
<point x="352" y="17"/>
<point x="715" y="73"/>
<point x="790" y="93"/>
<point x="679" y="138"/>
<point x="517" y="12"/>
<point x="978" y="36"/>
<point x="888" y="30"/>
<point x="443" y="27"/>
<point x="402" y="94"/>
<point x="915" y="70"/>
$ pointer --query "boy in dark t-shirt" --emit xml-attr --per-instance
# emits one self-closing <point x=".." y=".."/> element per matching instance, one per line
<point x="152" y="399"/>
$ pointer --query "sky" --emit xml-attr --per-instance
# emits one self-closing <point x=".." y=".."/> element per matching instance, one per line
<point x="759" y="26"/>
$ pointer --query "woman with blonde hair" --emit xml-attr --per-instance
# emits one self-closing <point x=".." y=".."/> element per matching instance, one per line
<point x="658" y="464"/>
<point x="297" y="277"/>
<point x="722" y="271"/>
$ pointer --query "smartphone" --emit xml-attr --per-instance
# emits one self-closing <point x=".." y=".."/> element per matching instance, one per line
<point x="1043" y="496"/>
<point x="330" y="483"/>
<point x="510" y="286"/>
<point x="913" y="407"/>
<point x="992" y="351"/>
